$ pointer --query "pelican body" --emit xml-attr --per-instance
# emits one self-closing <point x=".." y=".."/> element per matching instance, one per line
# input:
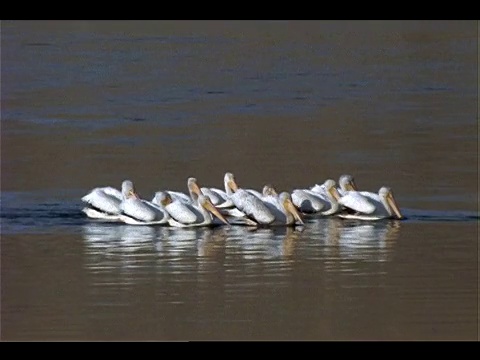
<point x="136" y="211"/>
<point x="323" y="200"/>
<point x="105" y="202"/>
<point x="278" y="211"/>
<point x="364" y="205"/>
<point x="189" y="215"/>
<point x="320" y="198"/>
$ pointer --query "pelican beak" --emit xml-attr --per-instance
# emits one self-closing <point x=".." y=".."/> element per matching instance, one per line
<point x="334" y="192"/>
<point x="133" y="194"/>
<point x="293" y="210"/>
<point x="351" y="186"/>
<point x="210" y="207"/>
<point x="232" y="185"/>
<point x="196" y="189"/>
<point x="393" y="204"/>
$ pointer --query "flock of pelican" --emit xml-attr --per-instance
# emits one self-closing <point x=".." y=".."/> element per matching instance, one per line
<point x="204" y="206"/>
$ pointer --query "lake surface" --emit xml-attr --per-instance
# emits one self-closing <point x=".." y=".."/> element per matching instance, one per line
<point x="291" y="103"/>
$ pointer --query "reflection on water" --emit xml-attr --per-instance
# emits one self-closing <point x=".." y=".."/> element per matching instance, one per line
<point x="330" y="239"/>
<point x="370" y="242"/>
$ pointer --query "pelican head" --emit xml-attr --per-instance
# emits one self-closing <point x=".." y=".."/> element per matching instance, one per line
<point x="386" y="194"/>
<point x="193" y="187"/>
<point x="128" y="191"/>
<point x="269" y="190"/>
<point x="205" y="202"/>
<point x="330" y="187"/>
<point x="229" y="181"/>
<point x="162" y="198"/>
<point x="347" y="183"/>
<point x="286" y="201"/>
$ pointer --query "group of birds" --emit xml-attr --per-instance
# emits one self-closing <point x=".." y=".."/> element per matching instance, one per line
<point x="204" y="206"/>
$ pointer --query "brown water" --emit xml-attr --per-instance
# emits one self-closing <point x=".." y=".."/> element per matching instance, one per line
<point x="88" y="104"/>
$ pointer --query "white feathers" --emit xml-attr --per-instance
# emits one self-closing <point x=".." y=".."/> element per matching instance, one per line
<point x="204" y="205"/>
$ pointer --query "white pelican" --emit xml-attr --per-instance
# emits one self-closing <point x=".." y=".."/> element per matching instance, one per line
<point x="188" y="215"/>
<point x="247" y="205"/>
<point x="279" y="212"/>
<point x="136" y="211"/>
<point x="104" y="202"/>
<point x="320" y="199"/>
<point x="323" y="203"/>
<point x="370" y="206"/>
<point x="283" y="209"/>
<point x="307" y="201"/>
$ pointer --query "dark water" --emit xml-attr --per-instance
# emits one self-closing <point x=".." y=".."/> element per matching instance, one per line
<point x="88" y="104"/>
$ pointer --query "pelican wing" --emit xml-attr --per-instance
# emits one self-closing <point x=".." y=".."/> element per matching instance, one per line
<point x="177" y="195"/>
<point x="318" y="188"/>
<point x="358" y="202"/>
<point x="252" y="206"/>
<point x="96" y="214"/>
<point x="274" y="206"/>
<point x="182" y="213"/>
<point x="214" y="197"/>
<point x="139" y="210"/>
<point x="223" y="200"/>
<point x="271" y="199"/>
<point x="256" y="193"/>
<point x="307" y="201"/>
<point x="102" y="201"/>
<point x="113" y="192"/>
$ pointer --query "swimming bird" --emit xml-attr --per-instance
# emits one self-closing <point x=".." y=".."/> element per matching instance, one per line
<point x="364" y="205"/>
<point x="283" y="209"/>
<point x="324" y="202"/>
<point x="189" y="215"/>
<point x="136" y="211"/>
<point x="104" y="202"/>
<point x="257" y="212"/>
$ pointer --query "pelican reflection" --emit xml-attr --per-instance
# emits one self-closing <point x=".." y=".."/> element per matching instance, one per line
<point x="263" y="243"/>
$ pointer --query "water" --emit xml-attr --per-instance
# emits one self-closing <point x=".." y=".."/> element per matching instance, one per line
<point x="88" y="104"/>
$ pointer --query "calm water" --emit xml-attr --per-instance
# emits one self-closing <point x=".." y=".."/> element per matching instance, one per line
<point x="88" y="104"/>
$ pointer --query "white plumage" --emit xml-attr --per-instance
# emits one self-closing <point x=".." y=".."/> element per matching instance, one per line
<point x="370" y="206"/>
<point x="188" y="215"/>
<point x="105" y="202"/>
<point x="257" y="211"/>
<point x="137" y="211"/>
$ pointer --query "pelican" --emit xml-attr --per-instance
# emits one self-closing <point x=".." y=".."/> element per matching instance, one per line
<point x="136" y="211"/>
<point x="247" y="205"/>
<point x="188" y="215"/>
<point x="283" y="209"/>
<point x="307" y="201"/>
<point x="104" y="202"/>
<point x="257" y="212"/>
<point x="370" y="206"/>
<point x="323" y="203"/>
<point x="321" y="199"/>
